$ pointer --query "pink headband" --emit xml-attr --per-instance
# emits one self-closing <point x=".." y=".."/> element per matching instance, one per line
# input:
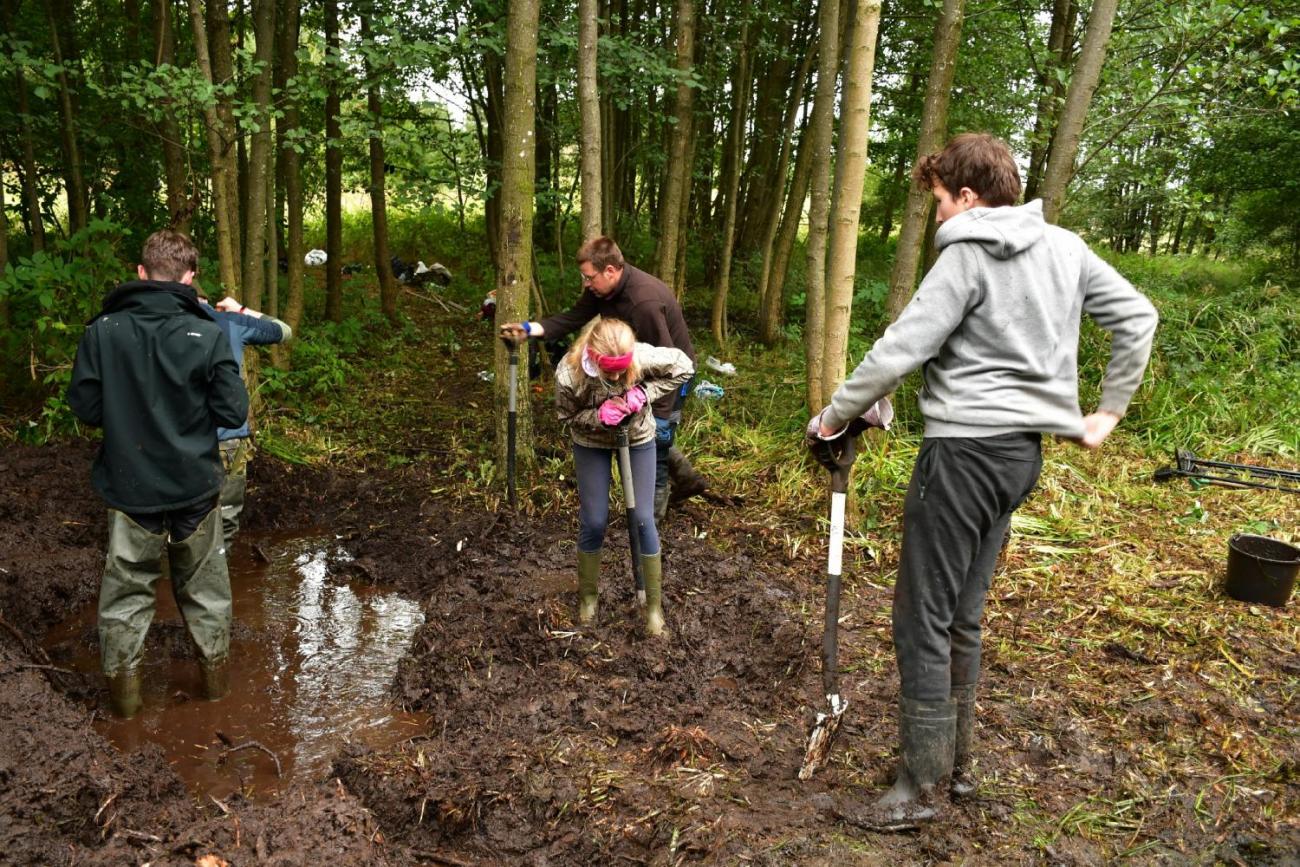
<point x="610" y="363"/>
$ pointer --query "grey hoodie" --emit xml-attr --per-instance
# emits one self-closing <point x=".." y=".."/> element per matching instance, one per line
<point x="996" y="325"/>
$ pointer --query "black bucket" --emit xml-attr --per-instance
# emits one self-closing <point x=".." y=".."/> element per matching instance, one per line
<point x="1261" y="569"/>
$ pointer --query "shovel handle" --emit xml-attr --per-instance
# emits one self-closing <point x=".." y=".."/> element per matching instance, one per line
<point x="512" y="421"/>
<point x="831" y="628"/>
<point x="629" y="499"/>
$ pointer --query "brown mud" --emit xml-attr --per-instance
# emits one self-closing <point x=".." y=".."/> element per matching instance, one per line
<point x="555" y="744"/>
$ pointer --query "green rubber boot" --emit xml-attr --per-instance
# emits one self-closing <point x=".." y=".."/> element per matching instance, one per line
<point x="588" y="585"/>
<point x="216" y="678"/>
<point x="202" y="587"/>
<point x="124" y="693"/>
<point x="652" y="572"/>
<point x="963" y="698"/>
<point x="927" y="732"/>
<point x="126" y="597"/>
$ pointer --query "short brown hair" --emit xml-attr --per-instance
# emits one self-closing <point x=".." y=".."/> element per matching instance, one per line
<point x="977" y="160"/>
<point x="168" y="254"/>
<point x="601" y="252"/>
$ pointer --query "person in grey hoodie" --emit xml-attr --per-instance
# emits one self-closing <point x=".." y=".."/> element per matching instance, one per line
<point x="995" y="327"/>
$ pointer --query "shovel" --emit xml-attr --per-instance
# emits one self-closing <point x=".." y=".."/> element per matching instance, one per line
<point x="828" y="723"/>
<point x="512" y="418"/>
<point x="629" y="499"/>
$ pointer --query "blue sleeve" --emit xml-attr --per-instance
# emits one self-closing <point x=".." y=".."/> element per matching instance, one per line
<point x="256" y="332"/>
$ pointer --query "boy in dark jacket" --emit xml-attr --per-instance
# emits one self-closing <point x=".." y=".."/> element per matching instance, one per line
<point x="995" y="325"/>
<point x="156" y="373"/>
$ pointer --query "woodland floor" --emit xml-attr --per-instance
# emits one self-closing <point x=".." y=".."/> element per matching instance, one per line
<point x="1127" y="711"/>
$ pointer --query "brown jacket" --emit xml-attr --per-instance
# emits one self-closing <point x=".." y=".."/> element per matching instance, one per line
<point x="642" y="301"/>
<point x="578" y="396"/>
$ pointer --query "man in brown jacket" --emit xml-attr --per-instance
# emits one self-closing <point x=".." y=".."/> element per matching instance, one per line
<point x="613" y="288"/>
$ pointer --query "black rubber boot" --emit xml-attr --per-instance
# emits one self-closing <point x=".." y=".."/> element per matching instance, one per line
<point x="661" y="506"/>
<point x="963" y="699"/>
<point x="124" y="692"/>
<point x="686" y="481"/>
<point x="927" y="731"/>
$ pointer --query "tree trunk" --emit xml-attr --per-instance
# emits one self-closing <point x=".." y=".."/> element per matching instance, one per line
<point x="934" y="126"/>
<point x="740" y="90"/>
<point x="684" y="212"/>
<point x="179" y="212"/>
<point x="676" y="186"/>
<point x="589" y="107"/>
<point x="223" y="210"/>
<point x="850" y="170"/>
<point x="27" y="157"/>
<point x="778" y="295"/>
<point x="1060" y="45"/>
<point x="78" y="199"/>
<point x="378" y="197"/>
<point x="768" y="299"/>
<point x="229" y="139"/>
<point x="1178" y="232"/>
<point x="260" y="156"/>
<point x="292" y="171"/>
<point x="820" y="129"/>
<point x="515" y="275"/>
<point x="4" y="254"/>
<point x="333" y="168"/>
<point x="1083" y="83"/>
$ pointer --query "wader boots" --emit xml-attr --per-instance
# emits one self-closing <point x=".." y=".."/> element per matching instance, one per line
<point x="588" y="585"/>
<point x="235" y="455"/>
<point x="652" y="572"/>
<point x="963" y="784"/>
<point x="126" y="605"/>
<point x="202" y="585"/>
<point x="926" y="732"/>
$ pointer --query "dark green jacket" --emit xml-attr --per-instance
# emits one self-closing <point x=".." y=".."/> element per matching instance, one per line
<point x="156" y="373"/>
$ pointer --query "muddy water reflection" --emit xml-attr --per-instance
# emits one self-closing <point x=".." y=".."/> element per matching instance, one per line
<point x="312" y="658"/>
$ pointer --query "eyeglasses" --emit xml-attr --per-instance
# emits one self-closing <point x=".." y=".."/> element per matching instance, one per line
<point x="588" y="278"/>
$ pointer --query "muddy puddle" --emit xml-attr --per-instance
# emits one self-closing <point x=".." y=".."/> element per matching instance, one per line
<point x="312" y="657"/>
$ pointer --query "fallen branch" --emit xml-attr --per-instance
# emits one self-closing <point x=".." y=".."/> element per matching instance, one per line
<point x="33" y="650"/>
<point x="252" y="745"/>
<point x="439" y="858"/>
<point x="446" y="305"/>
<point x="137" y="835"/>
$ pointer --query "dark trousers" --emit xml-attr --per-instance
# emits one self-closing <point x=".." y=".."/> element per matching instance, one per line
<point x="955" y="520"/>
<point x="180" y="523"/>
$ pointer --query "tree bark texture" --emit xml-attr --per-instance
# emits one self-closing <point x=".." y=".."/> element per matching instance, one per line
<point x="515" y="273"/>
<point x="333" y="168"/>
<point x="1060" y="45"/>
<point x="820" y="129"/>
<point x="850" y="171"/>
<point x="740" y="90"/>
<point x="292" y="167"/>
<point x="378" y="197"/>
<point x="78" y="198"/>
<point x="220" y="49"/>
<point x="1083" y="83"/>
<point x="180" y="212"/>
<point x="27" y="155"/>
<point x="934" y="127"/>
<point x="223" y="210"/>
<point x="778" y="294"/>
<point x="589" y="108"/>
<point x="260" y="156"/>
<point x="676" y="185"/>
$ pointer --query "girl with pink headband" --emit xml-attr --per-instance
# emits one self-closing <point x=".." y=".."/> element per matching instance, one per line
<point x="608" y="380"/>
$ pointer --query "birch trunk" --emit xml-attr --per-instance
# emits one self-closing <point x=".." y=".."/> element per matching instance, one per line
<point x="260" y="153"/>
<point x="333" y="168"/>
<point x="820" y="129"/>
<point x="378" y="196"/>
<point x="589" y="106"/>
<point x="222" y="207"/>
<point x="675" y="187"/>
<point x="850" y="170"/>
<point x="934" y="126"/>
<point x="293" y="188"/>
<point x="1083" y="83"/>
<point x="735" y="141"/>
<point x="515" y="274"/>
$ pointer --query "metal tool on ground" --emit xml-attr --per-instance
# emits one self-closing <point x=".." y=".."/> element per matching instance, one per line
<point x="629" y="499"/>
<point x="1188" y="465"/>
<point x="512" y="419"/>
<point x="828" y="722"/>
<point x="837" y="456"/>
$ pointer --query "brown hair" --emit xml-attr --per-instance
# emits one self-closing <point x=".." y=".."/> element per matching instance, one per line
<point x="973" y="159"/>
<point x="168" y="255"/>
<point x="608" y="336"/>
<point x="601" y="253"/>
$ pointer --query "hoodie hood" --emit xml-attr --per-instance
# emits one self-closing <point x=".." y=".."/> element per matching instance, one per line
<point x="1003" y="232"/>
<point x="153" y="294"/>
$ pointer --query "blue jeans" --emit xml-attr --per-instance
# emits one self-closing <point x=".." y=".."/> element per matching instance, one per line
<point x="594" y="479"/>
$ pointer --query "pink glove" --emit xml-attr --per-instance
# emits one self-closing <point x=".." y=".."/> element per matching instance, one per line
<point x="613" y="411"/>
<point x="635" y="398"/>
